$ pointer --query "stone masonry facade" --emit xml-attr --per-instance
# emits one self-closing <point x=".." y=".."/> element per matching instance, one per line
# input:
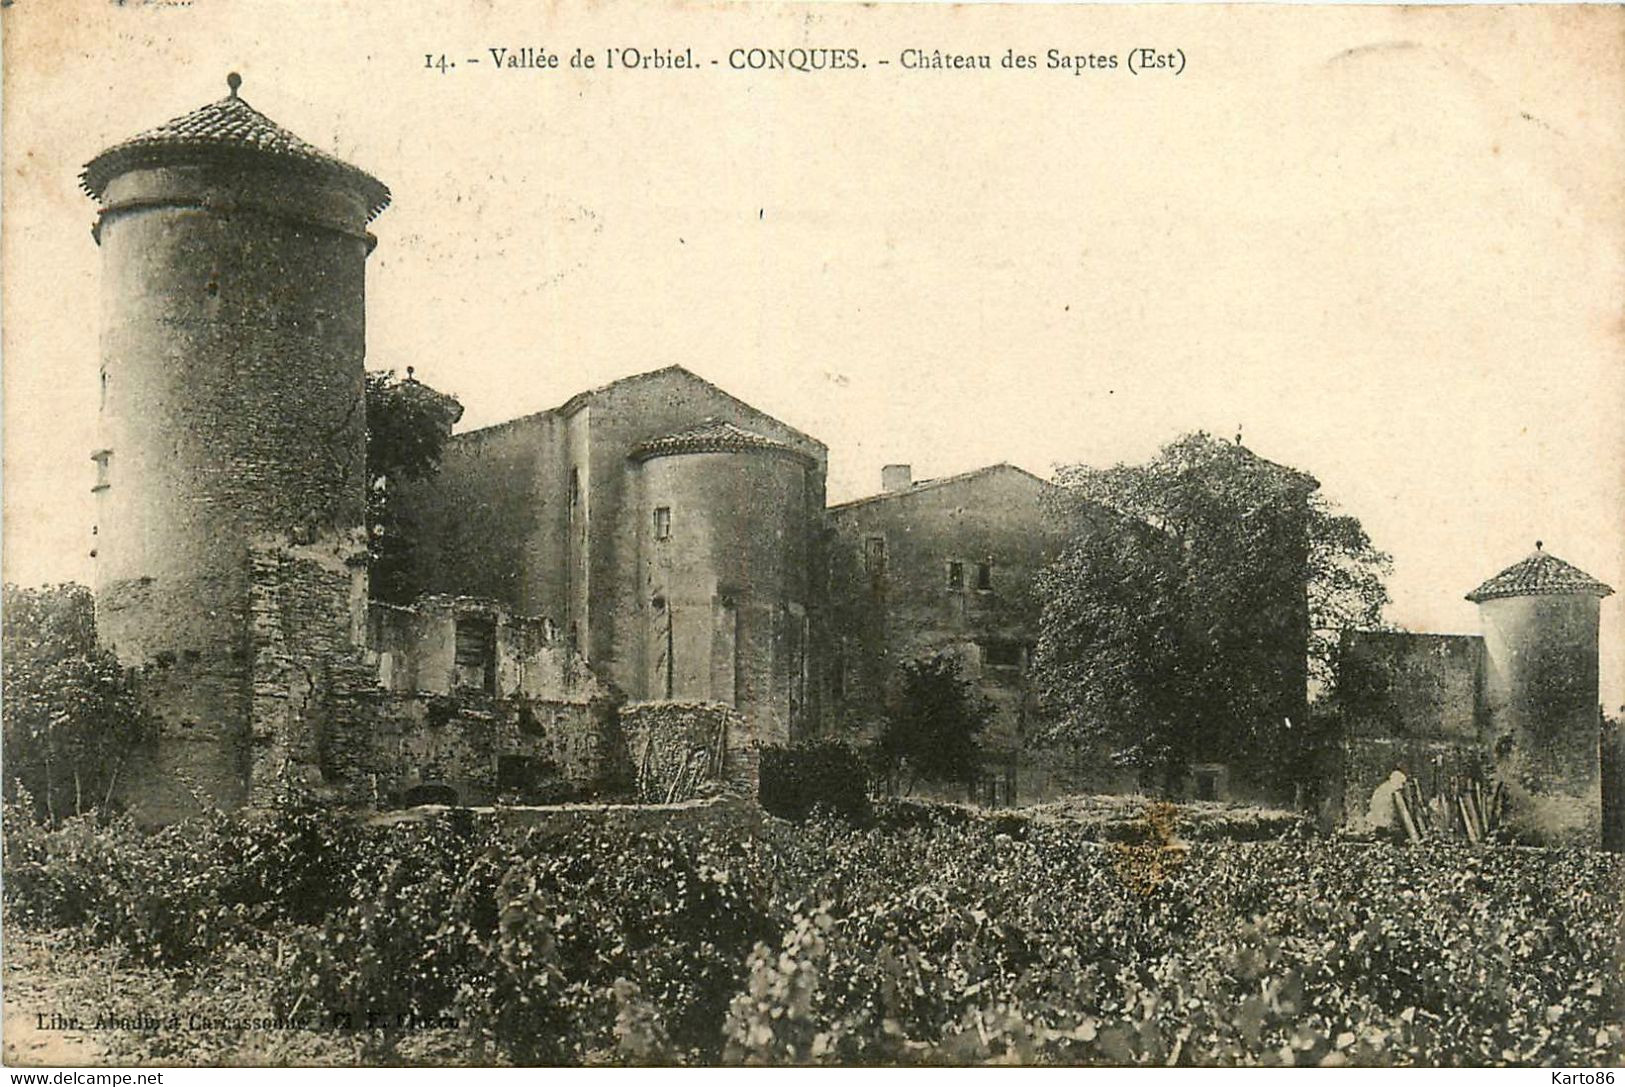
<point x="631" y="593"/>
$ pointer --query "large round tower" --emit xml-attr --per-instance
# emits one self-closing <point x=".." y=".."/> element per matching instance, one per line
<point x="232" y="410"/>
<point x="1540" y="620"/>
<point x="725" y="570"/>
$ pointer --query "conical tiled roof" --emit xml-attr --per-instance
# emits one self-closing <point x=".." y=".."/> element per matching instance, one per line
<point x="220" y="130"/>
<point x="715" y="437"/>
<point x="1541" y="574"/>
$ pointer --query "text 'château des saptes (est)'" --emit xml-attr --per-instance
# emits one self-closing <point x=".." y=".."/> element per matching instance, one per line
<point x="805" y="59"/>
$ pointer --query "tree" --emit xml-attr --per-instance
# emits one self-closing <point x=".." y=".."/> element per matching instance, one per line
<point x="71" y="716"/>
<point x="408" y="425"/>
<point x="931" y="725"/>
<point x="1189" y="625"/>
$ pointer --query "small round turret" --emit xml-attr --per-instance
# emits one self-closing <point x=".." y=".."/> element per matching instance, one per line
<point x="1540" y="620"/>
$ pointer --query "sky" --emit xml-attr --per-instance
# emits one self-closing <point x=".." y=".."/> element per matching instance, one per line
<point x="1388" y="245"/>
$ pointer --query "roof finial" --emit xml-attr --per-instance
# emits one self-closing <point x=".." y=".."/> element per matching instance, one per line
<point x="1238" y="433"/>
<point x="234" y="81"/>
<point x="1538" y="545"/>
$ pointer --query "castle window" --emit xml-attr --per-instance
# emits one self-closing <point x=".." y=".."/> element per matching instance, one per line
<point x="956" y="576"/>
<point x="575" y="488"/>
<point x="1001" y="654"/>
<point x="662" y="522"/>
<point x="874" y="556"/>
<point x="476" y="653"/>
<point x="1207" y="782"/>
<point x="984" y="577"/>
<point x="517" y="775"/>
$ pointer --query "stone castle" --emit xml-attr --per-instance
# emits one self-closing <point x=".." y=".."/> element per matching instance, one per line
<point x="643" y="583"/>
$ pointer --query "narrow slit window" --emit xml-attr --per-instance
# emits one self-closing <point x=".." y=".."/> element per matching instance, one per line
<point x="104" y="467"/>
<point x="662" y="522"/>
<point x="874" y="556"/>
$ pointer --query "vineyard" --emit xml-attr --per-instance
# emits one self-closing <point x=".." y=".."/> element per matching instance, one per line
<point x="917" y="938"/>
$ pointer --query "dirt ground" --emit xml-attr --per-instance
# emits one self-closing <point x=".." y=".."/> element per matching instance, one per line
<point x="31" y="990"/>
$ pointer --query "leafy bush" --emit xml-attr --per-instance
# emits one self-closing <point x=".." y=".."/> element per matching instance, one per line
<point x="71" y="715"/>
<point x="922" y="939"/>
<point x="827" y="773"/>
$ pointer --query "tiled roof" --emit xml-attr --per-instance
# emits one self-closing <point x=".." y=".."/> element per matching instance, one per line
<point x="222" y="129"/>
<point x="1541" y="574"/>
<point x="944" y="481"/>
<point x="716" y="437"/>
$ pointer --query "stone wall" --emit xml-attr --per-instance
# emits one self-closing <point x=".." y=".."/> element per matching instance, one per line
<point x="483" y="748"/>
<point x="683" y="749"/>
<point x="304" y="634"/>
<point x="415" y="650"/>
<point x="724" y="815"/>
<point x="1406" y="703"/>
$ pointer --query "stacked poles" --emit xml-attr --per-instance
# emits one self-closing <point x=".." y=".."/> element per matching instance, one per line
<point x="1461" y="808"/>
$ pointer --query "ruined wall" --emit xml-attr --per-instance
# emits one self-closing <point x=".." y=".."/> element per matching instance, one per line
<point x="1406" y="702"/>
<point x="491" y="522"/>
<point x="485" y="703"/>
<point x="305" y="603"/>
<point x="566" y="750"/>
<point x="689" y="744"/>
<point x="416" y="650"/>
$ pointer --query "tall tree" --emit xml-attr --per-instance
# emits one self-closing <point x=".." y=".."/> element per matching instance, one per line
<point x="1189" y="630"/>
<point x="71" y="717"/>
<point x="408" y="425"/>
<point x="931" y="725"/>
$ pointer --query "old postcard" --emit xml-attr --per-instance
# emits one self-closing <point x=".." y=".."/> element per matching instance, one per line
<point x="776" y="534"/>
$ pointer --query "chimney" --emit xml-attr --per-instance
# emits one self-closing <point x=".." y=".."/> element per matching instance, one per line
<point x="896" y="477"/>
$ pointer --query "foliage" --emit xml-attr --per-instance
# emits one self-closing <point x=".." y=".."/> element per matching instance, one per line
<point x="1181" y="633"/>
<point x="952" y="945"/>
<point x="71" y="716"/>
<point x="932" y="724"/>
<point x="829" y="774"/>
<point x="1612" y="749"/>
<point x="408" y="425"/>
<point x="935" y="941"/>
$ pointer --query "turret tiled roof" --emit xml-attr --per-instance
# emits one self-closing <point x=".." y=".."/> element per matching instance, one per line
<point x="220" y="130"/>
<point x="1541" y="574"/>
<point x="714" y="437"/>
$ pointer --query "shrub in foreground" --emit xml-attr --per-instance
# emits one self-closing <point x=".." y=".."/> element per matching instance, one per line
<point x="923" y="941"/>
<point x="826" y="773"/>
